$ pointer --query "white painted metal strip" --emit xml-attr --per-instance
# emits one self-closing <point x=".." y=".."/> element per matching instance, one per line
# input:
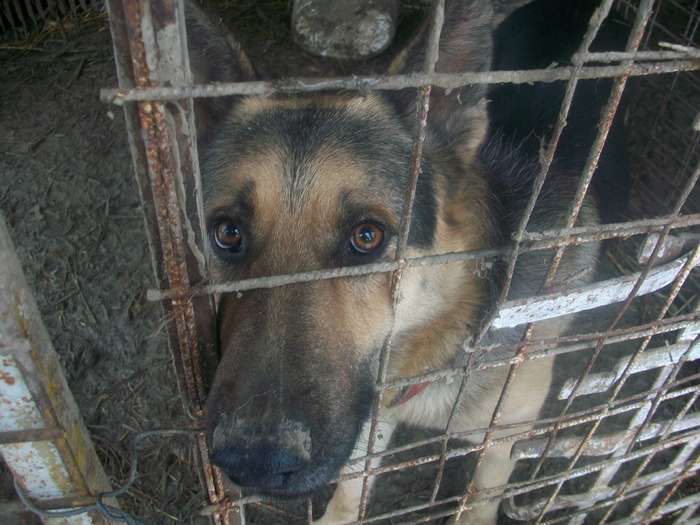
<point x="531" y="309"/>
<point x="650" y="359"/>
<point x="19" y="412"/>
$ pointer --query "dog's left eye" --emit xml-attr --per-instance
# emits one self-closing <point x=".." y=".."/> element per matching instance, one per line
<point x="227" y="236"/>
<point x="366" y="238"/>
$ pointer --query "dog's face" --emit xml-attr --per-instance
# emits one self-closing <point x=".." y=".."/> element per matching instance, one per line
<point x="303" y="183"/>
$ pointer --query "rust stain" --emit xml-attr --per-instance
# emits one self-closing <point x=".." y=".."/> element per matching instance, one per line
<point x="7" y="378"/>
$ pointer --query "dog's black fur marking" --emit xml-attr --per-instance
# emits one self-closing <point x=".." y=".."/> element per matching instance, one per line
<point x="526" y="114"/>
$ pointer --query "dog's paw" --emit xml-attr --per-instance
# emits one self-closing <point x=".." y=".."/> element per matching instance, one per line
<point x="483" y="515"/>
<point x="344" y="506"/>
<point x="333" y="518"/>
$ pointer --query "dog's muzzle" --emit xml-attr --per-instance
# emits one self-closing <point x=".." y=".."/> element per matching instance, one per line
<point x="268" y="458"/>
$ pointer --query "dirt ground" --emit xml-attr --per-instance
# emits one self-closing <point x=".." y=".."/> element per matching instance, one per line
<point x="68" y="195"/>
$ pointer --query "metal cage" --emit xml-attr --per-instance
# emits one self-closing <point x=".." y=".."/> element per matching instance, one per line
<point x="620" y="442"/>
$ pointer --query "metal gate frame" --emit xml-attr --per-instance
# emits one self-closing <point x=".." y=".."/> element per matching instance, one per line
<point x="156" y="92"/>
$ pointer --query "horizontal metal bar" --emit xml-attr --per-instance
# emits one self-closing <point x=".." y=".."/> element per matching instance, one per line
<point x="30" y="434"/>
<point x="536" y="241"/>
<point x="601" y="232"/>
<point x="680" y="53"/>
<point x="364" y="84"/>
<point x="331" y="273"/>
<point x="547" y="348"/>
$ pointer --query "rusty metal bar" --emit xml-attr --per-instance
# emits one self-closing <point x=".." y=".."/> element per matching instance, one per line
<point x="163" y="145"/>
<point x="423" y="101"/>
<point x="691" y="337"/>
<point x="416" y="154"/>
<point x="604" y="125"/>
<point x="640" y="23"/>
<point x="690" y="468"/>
<point x="683" y="196"/>
<point x="394" y="82"/>
<point x="667" y="373"/>
<point x="606" y="121"/>
<point x="532" y="242"/>
<point x="548" y="156"/>
<point x="643" y="417"/>
<point x="546" y="159"/>
<point x="680" y="461"/>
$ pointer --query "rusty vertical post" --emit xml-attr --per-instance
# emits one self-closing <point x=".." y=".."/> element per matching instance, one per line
<point x="151" y="51"/>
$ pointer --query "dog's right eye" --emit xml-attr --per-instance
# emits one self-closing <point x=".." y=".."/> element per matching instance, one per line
<point x="366" y="239"/>
<point x="227" y="236"/>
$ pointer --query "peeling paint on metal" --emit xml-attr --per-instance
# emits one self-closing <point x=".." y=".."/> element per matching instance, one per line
<point x="19" y="412"/>
<point x="38" y="467"/>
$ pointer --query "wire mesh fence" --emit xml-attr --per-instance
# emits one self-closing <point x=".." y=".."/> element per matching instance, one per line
<point x="554" y="489"/>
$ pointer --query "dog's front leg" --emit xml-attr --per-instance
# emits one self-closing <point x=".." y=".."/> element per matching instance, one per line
<point x="528" y="393"/>
<point x="344" y="507"/>
<point x="494" y="471"/>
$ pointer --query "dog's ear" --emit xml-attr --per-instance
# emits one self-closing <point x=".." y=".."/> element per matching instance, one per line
<point x="215" y="56"/>
<point x="457" y="117"/>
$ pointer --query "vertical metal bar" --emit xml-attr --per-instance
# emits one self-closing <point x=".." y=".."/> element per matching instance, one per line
<point x="545" y="162"/>
<point x="402" y="243"/>
<point x="150" y="50"/>
<point x="606" y="118"/>
<point x="422" y="119"/>
<point x="432" y="55"/>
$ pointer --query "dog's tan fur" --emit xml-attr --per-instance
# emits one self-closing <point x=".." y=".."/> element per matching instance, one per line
<point x="291" y="399"/>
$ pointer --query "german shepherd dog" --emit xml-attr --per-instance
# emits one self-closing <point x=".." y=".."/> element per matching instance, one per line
<point x="294" y="183"/>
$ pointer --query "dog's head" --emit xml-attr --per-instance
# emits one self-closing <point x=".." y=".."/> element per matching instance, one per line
<point x="299" y="183"/>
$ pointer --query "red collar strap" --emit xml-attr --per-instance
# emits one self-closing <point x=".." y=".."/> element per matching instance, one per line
<point x="408" y="392"/>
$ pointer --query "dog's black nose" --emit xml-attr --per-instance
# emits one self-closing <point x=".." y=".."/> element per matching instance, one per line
<point x="265" y="466"/>
<point x="268" y="454"/>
